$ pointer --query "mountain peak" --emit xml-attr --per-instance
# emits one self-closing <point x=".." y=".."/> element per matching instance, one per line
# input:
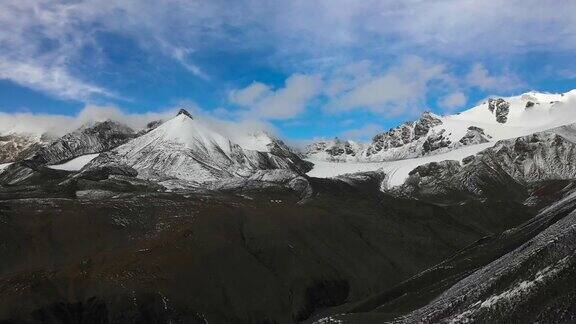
<point x="185" y="113"/>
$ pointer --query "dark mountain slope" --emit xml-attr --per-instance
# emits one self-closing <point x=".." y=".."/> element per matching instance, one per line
<point x="424" y="288"/>
<point x="259" y="257"/>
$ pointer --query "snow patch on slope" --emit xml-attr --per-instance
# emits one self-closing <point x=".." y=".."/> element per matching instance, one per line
<point x="396" y="171"/>
<point x="75" y="164"/>
<point x="453" y="137"/>
<point x="259" y="141"/>
<point x="4" y="166"/>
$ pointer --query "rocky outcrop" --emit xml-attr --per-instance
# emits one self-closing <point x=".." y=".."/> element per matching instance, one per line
<point x="185" y="113"/>
<point x="423" y="125"/>
<point x="333" y="150"/>
<point x="279" y="149"/>
<point x="436" y="169"/>
<point x="474" y="135"/>
<point x="17" y="147"/>
<point x="509" y="164"/>
<point x="341" y="147"/>
<point x="425" y="136"/>
<point x="403" y="134"/>
<point x="500" y="108"/>
<point x="435" y="141"/>
<point x="150" y="126"/>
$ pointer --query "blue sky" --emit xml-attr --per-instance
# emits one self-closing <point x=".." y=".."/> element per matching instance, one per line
<point x="307" y="69"/>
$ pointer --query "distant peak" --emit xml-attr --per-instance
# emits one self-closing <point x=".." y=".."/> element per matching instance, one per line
<point x="185" y="113"/>
<point x="428" y="114"/>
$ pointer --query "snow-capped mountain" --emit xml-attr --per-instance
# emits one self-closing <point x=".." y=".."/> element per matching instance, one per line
<point x="334" y="150"/>
<point x="186" y="149"/>
<point x="542" y="156"/>
<point x="493" y="120"/>
<point x="16" y="147"/>
<point x="434" y="138"/>
<point x="150" y="126"/>
<point x="89" y="139"/>
<point x="475" y="201"/>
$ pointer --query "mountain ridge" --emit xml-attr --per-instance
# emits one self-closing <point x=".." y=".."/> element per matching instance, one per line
<point x="495" y="119"/>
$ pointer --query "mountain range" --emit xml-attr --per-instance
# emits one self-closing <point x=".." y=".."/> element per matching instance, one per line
<point x="459" y="218"/>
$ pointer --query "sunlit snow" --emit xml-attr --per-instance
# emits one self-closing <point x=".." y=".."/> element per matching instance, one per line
<point x="548" y="111"/>
<point x="75" y="164"/>
<point x="4" y="166"/>
<point x="396" y="171"/>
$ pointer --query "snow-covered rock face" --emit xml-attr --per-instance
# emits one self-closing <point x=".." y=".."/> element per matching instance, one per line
<point x="435" y="142"/>
<point x="150" y="126"/>
<point x="97" y="138"/>
<point x="185" y="113"/>
<point x="541" y="156"/>
<point x="494" y="120"/>
<point x="184" y="148"/>
<point x="259" y="141"/>
<point x="333" y="150"/>
<point x="500" y="108"/>
<point x="403" y="134"/>
<point x="474" y="135"/>
<point x="17" y="147"/>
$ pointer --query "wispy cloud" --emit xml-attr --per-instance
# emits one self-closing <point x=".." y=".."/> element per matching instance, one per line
<point x="52" y="34"/>
<point x="363" y="133"/>
<point x="452" y="101"/>
<point x="480" y="77"/>
<point x="35" y="123"/>
<point x="278" y="104"/>
<point x="181" y="54"/>
<point x="380" y="56"/>
<point x="249" y="95"/>
<point x="398" y="88"/>
<point x="402" y="88"/>
<point x="57" y="125"/>
<point x="37" y="43"/>
<point x="52" y="79"/>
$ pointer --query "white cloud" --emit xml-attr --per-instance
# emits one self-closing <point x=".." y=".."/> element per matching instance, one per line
<point x="480" y="77"/>
<point x="395" y="90"/>
<point x="26" y="122"/>
<point x="41" y="43"/>
<point x="52" y="35"/>
<point x="448" y="27"/>
<point x="460" y="27"/>
<point x="279" y="104"/>
<point x="453" y="100"/>
<point x="249" y="95"/>
<point x="37" y="42"/>
<point x="290" y="101"/>
<point x="181" y="54"/>
<point x="377" y="92"/>
<point x="365" y="132"/>
<point x="53" y="79"/>
<point x="58" y="125"/>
